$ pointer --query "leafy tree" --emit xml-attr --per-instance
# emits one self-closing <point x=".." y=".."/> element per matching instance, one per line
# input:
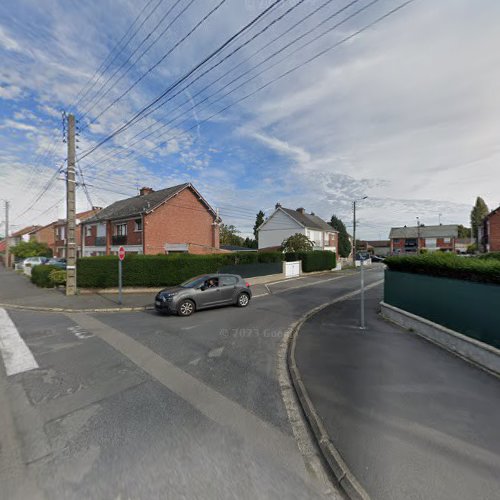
<point x="477" y="215"/>
<point x="250" y="243"/>
<point x="259" y="219"/>
<point x="464" y="232"/>
<point x="344" y="244"/>
<point x="32" y="248"/>
<point x="229" y="235"/>
<point x="297" y="243"/>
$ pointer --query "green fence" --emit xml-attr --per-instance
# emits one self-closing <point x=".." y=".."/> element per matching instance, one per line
<point x="470" y="308"/>
<point x="252" y="270"/>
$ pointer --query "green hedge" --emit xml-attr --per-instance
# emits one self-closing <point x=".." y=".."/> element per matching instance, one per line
<point x="40" y="276"/>
<point x="448" y="266"/>
<point x="491" y="255"/>
<point x="316" y="260"/>
<point x="160" y="270"/>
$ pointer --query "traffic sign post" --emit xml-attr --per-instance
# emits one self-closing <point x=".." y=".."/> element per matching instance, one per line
<point x="121" y="256"/>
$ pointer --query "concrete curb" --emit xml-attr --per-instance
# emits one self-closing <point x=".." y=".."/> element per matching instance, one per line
<point x="337" y="469"/>
<point x="474" y="351"/>
<point x="68" y="310"/>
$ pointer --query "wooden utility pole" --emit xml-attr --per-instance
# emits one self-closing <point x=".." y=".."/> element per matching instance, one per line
<point x="71" y="210"/>
<point x="7" y="235"/>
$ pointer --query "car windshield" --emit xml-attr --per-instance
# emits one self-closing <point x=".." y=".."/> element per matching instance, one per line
<point x="193" y="282"/>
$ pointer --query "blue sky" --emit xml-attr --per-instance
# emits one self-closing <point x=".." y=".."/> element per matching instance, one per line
<point x="405" y="113"/>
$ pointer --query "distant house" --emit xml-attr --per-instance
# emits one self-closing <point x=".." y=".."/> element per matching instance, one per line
<point x="491" y="230"/>
<point x="59" y="232"/>
<point x="45" y="234"/>
<point x="462" y="244"/>
<point x="410" y="239"/>
<point x="172" y="220"/>
<point x="285" y="222"/>
<point x="377" y="247"/>
<point x="25" y="234"/>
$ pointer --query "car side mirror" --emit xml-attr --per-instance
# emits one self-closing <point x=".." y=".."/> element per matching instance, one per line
<point x="203" y="288"/>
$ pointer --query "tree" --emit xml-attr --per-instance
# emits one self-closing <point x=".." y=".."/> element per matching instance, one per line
<point x="228" y="235"/>
<point x="464" y="232"/>
<point x="25" y="249"/>
<point x="250" y="243"/>
<point x="297" y="243"/>
<point x="344" y="246"/>
<point x="477" y="216"/>
<point x="259" y="219"/>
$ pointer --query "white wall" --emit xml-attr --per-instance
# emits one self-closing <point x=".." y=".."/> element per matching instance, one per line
<point x="277" y="228"/>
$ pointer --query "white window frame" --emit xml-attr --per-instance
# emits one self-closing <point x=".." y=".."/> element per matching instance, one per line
<point x="136" y="226"/>
<point x="88" y="231"/>
<point x="117" y="232"/>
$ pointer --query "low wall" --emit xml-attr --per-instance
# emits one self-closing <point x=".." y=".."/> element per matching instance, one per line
<point x="470" y="308"/>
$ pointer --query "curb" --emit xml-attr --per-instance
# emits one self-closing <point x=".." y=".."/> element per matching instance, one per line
<point x="67" y="310"/>
<point x="338" y="468"/>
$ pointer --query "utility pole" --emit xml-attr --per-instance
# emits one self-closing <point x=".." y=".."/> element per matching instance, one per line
<point x="7" y="235"/>
<point x="354" y="234"/>
<point x="418" y="235"/>
<point x="71" y="210"/>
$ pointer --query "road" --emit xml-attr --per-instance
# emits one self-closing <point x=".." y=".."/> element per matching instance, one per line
<point x="136" y="405"/>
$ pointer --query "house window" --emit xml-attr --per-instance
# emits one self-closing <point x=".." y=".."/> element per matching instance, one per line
<point x="447" y="240"/>
<point x="430" y="242"/>
<point x="138" y="225"/>
<point x="396" y="241"/>
<point x="88" y="230"/>
<point x="121" y="229"/>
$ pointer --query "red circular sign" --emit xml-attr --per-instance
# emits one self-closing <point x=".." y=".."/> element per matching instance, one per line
<point x="121" y="253"/>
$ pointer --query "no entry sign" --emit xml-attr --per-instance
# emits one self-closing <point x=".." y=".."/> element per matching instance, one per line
<point x="121" y="253"/>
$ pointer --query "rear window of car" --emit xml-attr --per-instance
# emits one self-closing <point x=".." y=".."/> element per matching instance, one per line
<point x="228" y="280"/>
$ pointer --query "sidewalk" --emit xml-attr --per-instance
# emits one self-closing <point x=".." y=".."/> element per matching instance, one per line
<point x="410" y="420"/>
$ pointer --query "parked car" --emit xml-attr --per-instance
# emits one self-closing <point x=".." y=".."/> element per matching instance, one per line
<point x="34" y="261"/>
<point x="377" y="258"/>
<point x="203" y="292"/>
<point x="61" y="263"/>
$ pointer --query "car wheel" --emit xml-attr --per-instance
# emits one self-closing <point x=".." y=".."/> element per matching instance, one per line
<point x="186" y="308"/>
<point x="243" y="300"/>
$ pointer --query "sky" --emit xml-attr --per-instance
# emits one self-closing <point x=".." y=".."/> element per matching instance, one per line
<point x="299" y="108"/>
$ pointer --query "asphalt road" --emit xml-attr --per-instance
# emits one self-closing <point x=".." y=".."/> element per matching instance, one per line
<point x="411" y="420"/>
<point x="136" y="405"/>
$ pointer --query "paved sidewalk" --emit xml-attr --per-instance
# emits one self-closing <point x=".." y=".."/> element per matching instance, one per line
<point x="411" y="420"/>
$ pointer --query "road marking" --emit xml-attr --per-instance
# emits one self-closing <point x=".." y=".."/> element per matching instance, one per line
<point x="79" y="332"/>
<point x="16" y="355"/>
<point x="216" y="353"/>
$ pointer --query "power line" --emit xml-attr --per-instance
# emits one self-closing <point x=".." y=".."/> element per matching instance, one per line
<point x="293" y="69"/>
<point x="289" y="44"/>
<point x="100" y="71"/>
<point x="91" y="106"/>
<point x="176" y="84"/>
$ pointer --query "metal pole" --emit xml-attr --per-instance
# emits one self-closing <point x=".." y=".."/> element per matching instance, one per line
<point x="71" y="210"/>
<point x="7" y="266"/>
<point x="120" y="282"/>
<point x="354" y="233"/>
<point x="362" y="296"/>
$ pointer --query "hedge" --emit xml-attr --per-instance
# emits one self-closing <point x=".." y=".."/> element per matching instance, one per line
<point x="448" y="266"/>
<point x="316" y="260"/>
<point x="160" y="270"/>
<point x="491" y="255"/>
<point x="40" y="276"/>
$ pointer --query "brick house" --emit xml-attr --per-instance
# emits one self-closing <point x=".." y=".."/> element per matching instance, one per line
<point x="285" y="222"/>
<point x="175" y="219"/>
<point x="24" y="234"/>
<point x="46" y="234"/>
<point x="491" y="231"/>
<point x="411" y="239"/>
<point x="59" y="232"/>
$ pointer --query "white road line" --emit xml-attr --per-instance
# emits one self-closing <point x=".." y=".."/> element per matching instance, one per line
<point x="16" y="355"/>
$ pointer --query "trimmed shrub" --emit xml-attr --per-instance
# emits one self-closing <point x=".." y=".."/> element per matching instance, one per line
<point x="40" y="276"/>
<point x="491" y="255"/>
<point x="158" y="270"/>
<point x="448" y="265"/>
<point x="58" y="277"/>
<point x="316" y="260"/>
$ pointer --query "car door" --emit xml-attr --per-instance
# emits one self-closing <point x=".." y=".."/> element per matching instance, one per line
<point x="227" y="285"/>
<point x="210" y="296"/>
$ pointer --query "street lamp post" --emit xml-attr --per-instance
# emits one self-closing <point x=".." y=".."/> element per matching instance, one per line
<point x="418" y="235"/>
<point x="362" y="287"/>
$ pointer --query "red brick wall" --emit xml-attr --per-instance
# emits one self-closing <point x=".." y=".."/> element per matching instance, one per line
<point x="494" y="232"/>
<point x="46" y="235"/>
<point x="183" y="219"/>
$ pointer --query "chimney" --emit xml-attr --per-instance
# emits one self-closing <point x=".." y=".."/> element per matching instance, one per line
<point x="146" y="190"/>
<point x="301" y="210"/>
<point x="278" y="205"/>
<point x="312" y="213"/>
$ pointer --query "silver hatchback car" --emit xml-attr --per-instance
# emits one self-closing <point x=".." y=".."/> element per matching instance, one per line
<point x="203" y="292"/>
